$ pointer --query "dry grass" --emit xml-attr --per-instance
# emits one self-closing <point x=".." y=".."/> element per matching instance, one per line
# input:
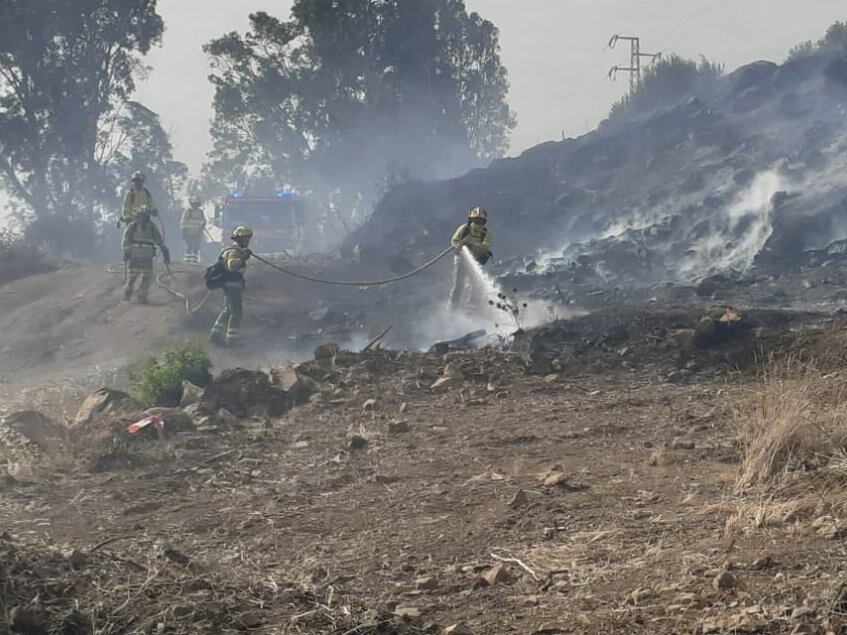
<point x="795" y="419"/>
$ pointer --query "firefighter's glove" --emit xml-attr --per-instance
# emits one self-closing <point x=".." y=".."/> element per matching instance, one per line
<point x="166" y="255"/>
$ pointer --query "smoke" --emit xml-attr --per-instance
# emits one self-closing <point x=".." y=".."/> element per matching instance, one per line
<point x="738" y="233"/>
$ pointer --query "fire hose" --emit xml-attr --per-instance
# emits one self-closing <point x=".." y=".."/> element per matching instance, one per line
<point x="366" y="283"/>
<point x="353" y="283"/>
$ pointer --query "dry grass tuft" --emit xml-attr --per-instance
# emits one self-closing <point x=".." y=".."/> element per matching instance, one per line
<point x="795" y="419"/>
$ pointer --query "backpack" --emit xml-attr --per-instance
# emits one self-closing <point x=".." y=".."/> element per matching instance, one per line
<point x="216" y="275"/>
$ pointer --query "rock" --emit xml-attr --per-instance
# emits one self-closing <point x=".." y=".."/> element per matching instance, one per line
<point x="719" y="325"/>
<point x="519" y="500"/>
<point x="76" y="558"/>
<point x="426" y="583"/>
<point x="26" y="621"/>
<point x="326" y="352"/>
<point x="407" y="612"/>
<point x="37" y="429"/>
<point x="724" y="581"/>
<point x="249" y="621"/>
<point x="560" y="480"/>
<point x="497" y="574"/>
<point x="105" y="406"/>
<point x="191" y="394"/>
<point x="174" y="420"/>
<point x="446" y="383"/>
<point x="369" y="405"/>
<point x="357" y="442"/>
<point x="175" y="555"/>
<point x="458" y="629"/>
<point x="760" y="564"/>
<point x="679" y="443"/>
<point x="299" y="387"/>
<point x="226" y="419"/>
<point x="397" y="427"/>
<point x="244" y="393"/>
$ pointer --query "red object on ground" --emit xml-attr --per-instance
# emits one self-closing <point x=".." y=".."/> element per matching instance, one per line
<point x="148" y="421"/>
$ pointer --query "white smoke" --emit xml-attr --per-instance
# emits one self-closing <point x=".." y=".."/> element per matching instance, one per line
<point x="738" y="233"/>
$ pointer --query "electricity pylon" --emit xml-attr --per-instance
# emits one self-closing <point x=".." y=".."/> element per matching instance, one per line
<point x="634" y="68"/>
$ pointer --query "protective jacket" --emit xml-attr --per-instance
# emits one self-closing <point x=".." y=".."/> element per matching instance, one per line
<point x="476" y="237"/>
<point x="193" y="220"/>
<point x="136" y="200"/>
<point x="234" y="259"/>
<point x="141" y="240"/>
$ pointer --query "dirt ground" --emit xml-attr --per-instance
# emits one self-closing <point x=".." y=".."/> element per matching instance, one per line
<point x="593" y="503"/>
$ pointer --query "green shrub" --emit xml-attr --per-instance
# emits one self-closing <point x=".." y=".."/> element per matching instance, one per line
<point x="159" y="382"/>
<point x="667" y="81"/>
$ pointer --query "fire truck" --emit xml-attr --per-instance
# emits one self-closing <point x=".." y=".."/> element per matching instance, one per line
<point x="280" y="222"/>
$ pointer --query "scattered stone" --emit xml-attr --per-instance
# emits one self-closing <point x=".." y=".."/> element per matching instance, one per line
<point x="245" y="393"/>
<point x="226" y="419"/>
<point x="560" y="480"/>
<point x="679" y="443"/>
<point x="724" y="581"/>
<point x="76" y="558"/>
<point x="446" y="383"/>
<point x="497" y="574"/>
<point x="407" y="612"/>
<point x="426" y="583"/>
<point x="298" y="386"/>
<point x="520" y="499"/>
<point x="326" y="352"/>
<point x="760" y="564"/>
<point x="458" y="629"/>
<point x="249" y="621"/>
<point x="104" y="406"/>
<point x="397" y="427"/>
<point x="191" y="394"/>
<point x="357" y="442"/>
<point x="174" y="420"/>
<point x="175" y="555"/>
<point x="369" y="405"/>
<point x="403" y="407"/>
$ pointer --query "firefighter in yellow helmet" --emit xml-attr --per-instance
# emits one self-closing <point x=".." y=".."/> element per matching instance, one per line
<point x="140" y="240"/>
<point x="234" y="260"/>
<point x="137" y="197"/>
<point x="474" y="236"/>
<point x="192" y="224"/>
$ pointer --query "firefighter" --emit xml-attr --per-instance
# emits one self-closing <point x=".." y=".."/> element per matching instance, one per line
<point x="475" y="236"/>
<point x="140" y="240"/>
<point x="234" y="261"/>
<point x="137" y="197"/>
<point x="192" y="224"/>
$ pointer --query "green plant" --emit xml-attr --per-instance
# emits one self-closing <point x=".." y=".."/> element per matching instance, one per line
<point x="159" y="382"/>
<point x="667" y="81"/>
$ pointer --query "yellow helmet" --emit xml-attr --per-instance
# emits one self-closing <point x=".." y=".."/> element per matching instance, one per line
<point x="242" y="232"/>
<point x="195" y="201"/>
<point x="478" y="212"/>
<point x="137" y="177"/>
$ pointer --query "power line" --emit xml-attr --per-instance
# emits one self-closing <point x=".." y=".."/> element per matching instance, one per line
<point x="635" y="57"/>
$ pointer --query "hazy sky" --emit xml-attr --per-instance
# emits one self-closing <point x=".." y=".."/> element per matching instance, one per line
<point x="555" y="51"/>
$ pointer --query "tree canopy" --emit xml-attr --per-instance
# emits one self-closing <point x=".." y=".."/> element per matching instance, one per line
<point x="347" y="95"/>
<point x="67" y="127"/>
